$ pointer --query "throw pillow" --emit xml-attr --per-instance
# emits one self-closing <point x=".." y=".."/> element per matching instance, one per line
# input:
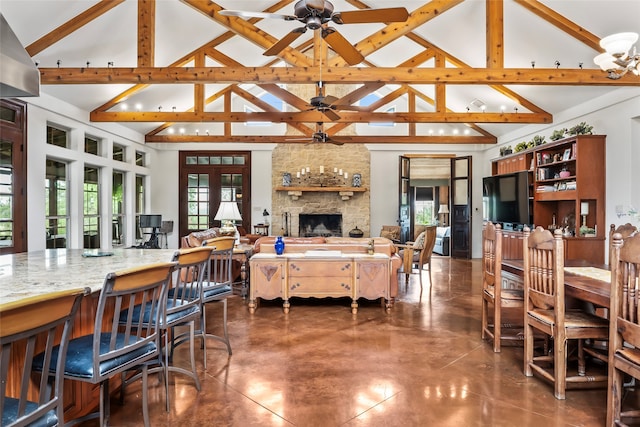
<point x="419" y="243"/>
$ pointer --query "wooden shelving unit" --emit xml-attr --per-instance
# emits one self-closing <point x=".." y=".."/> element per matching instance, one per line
<point x="564" y="175"/>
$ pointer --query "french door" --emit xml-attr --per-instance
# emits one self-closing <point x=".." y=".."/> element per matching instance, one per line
<point x="13" y="177"/>
<point x="461" y="207"/>
<point x="404" y="212"/>
<point x="207" y="178"/>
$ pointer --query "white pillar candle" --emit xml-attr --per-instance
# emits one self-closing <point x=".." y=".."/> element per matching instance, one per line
<point x="302" y="171"/>
<point x="346" y="175"/>
<point x="321" y="169"/>
<point x="308" y="169"/>
<point x="298" y="175"/>
<point x="335" y="170"/>
<point x="340" y="172"/>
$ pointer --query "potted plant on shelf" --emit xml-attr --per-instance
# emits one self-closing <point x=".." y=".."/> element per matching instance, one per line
<point x="581" y="128"/>
<point x="587" y="231"/>
<point x="558" y="134"/>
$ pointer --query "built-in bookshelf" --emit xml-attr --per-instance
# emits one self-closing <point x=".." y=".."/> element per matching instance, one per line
<point x="567" y="184"/>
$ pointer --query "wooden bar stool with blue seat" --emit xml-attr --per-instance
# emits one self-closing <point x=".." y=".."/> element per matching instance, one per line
<point x="217" y="286"/>
<point x="25" y="326"/>
<point x="115" y="347"/>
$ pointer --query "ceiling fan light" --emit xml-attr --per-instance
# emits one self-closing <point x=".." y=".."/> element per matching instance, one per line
<point x="605" y="61"/>
<point x="618" y="44"/>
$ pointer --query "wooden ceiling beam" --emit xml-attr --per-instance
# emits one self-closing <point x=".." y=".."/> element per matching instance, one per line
<point x="395" y="30"/>
<point x="279" y="139"/>
<point x="562" y="23"/>
<point x="495" y="33"/>
<point x="316" y="116"/>
<point x="147" y="33"/>
<point x="71" y="25"/>
<point x="309" y="75"/>
<point x="249" y="31"/>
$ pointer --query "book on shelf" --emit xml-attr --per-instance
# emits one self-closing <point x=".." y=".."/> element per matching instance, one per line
<point x="545" y="188"/>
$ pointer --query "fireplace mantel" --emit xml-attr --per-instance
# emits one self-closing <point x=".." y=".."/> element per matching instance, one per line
<point x="344" y="192"/>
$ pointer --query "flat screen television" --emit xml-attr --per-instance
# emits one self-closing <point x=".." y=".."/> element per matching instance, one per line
<point x="150" y="221"/>
<point x="506" y="198"/>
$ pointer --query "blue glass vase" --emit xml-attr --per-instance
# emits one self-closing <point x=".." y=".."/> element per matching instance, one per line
<point x="279" y="245"/>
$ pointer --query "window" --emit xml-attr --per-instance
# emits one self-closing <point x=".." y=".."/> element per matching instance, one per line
<point x="57" y="137"/>
<point x="119" y="152"/>
<point x="140" y="190"/>
<point x="270" y="99"/>
<point x="117" y="202"/>
<point x="372" y="98"/>
<point x="140" y="158"/>
<point x="424" y="206"/>
<point x="91" y="145"/>
<point x="56" y="204"/>
<point x="91" y="210"/>
<point x="6" y="193"/>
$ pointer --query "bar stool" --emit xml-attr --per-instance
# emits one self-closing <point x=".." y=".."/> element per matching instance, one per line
<point x="31" y="322"/>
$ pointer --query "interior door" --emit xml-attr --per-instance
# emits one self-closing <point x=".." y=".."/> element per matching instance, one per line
<point x="13" y="177"/>
<point x="404" y="202"/>
<point x="461" y="207"/>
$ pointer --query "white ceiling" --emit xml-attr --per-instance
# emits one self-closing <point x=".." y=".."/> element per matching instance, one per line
<point x="459" y="31"/>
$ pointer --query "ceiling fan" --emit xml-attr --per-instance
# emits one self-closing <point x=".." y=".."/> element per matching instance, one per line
<point x="327" y="104"/>
<point x="321" y="137"/>
<point x="314" y="14"/>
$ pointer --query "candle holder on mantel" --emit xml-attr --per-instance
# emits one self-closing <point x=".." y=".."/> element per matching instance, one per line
<point x="307" y="179"/>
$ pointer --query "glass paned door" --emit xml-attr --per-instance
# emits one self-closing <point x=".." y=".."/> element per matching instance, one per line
<point x="198" y="206"/>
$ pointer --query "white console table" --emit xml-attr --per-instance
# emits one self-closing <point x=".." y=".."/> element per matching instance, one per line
<point x="320" y="275"/>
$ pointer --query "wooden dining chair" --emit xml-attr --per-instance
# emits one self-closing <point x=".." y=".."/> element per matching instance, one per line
<point x="625" y="230"/>
<point x="495" y="299"/>
<point x="545" y="312"/>
<point x="624" y="337"/>
<point x="217" y="287"/>
<point x="418" y="253"/>
<point x="28" y="326"/>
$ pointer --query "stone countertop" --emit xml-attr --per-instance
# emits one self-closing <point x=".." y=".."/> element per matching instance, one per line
<point x="34" y="273"/>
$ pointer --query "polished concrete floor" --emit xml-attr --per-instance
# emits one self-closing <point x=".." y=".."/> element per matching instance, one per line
<point x="423" y="364"/>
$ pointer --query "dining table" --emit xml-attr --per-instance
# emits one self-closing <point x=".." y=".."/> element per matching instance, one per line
<point x="583" y="280"/>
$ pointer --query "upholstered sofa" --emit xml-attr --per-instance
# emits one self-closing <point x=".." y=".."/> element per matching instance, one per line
<point x="343" y="244"/>
<point x="442" y="241"/>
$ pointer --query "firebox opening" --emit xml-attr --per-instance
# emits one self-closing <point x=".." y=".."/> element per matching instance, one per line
<point x="323" y="225"/>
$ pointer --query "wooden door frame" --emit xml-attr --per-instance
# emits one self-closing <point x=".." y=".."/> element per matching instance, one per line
<point x="16" y="132"/>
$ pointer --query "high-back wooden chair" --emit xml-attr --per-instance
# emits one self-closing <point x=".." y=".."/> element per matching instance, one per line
<point x="624" y="230"/>
<point x="28" y="326"/>
<point x="624" y="329"/>
<point x="494" y="297"/>
<point x="545" y="312"/>
<point x="418" y="253"/>
<point x="217" y="286"/>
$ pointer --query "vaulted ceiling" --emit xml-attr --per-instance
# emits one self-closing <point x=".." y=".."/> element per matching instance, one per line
<point x="179" y="71"/>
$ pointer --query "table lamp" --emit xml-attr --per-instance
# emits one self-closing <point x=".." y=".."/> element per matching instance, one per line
<point x="265" y="214"/>
<point x="228" y="213"/>
<point x="584" y="211"/>
<point x="444" y="210"/>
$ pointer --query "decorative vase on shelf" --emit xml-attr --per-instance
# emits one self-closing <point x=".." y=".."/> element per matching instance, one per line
<point x="279" y="245"/>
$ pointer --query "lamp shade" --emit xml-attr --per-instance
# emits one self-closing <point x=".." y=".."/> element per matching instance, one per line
<point x="228" y="211"/>
<point x="618" y="44"/>
<point x="584" y="208"/>
<point x="444" y="209"/>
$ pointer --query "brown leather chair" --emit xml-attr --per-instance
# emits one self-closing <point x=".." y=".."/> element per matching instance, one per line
<point x="418" y="253"/>
<point x="494" y="297"/>
<point x="624" y="341"/>
<point x="545" y="312"/>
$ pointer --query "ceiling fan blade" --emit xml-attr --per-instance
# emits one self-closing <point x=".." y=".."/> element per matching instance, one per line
<point x="342" y="46"/>
<point x="285" y="41"/>
<point x="262" y="15"/>
<point x="391" y="14"/>
<point x="348" y="107"/>
<point x="330" y="99"/>
<point x="330" y="114"/>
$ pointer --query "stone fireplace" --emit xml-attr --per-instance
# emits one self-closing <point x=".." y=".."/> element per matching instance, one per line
<point x="288" y="211"/>
<point x="323" y="225"/>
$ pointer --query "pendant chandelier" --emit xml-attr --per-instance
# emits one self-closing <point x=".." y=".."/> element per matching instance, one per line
<point x="620" y="56"/>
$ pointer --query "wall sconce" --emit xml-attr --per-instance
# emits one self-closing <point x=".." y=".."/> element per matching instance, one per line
<point x="620" y="56"/>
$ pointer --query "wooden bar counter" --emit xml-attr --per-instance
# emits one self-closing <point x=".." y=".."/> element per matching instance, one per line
<point x="33" y="273"/>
